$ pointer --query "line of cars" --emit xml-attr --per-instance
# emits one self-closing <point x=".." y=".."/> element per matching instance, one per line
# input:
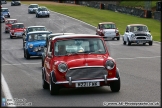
<point x="40" y="11"/>
<point x="76" y="60"/>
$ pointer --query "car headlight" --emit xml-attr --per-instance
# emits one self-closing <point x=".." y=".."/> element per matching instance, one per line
<point x="148" y="35"/>
<point x="30" y="45"/>
<point x="62" y="67"/>
<point x="35" y="49"/>
<point x="109" y="64"/>
<point x="39" y="48"/>
<point x="132" y="35"/>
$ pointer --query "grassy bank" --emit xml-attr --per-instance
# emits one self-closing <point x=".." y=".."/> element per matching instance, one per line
<point x="94" y="16"/>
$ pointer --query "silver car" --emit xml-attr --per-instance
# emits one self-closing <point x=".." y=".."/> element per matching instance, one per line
<point x="137" y="33"/>
<point x="32" y="8"/>
<point x="42" y="12"/>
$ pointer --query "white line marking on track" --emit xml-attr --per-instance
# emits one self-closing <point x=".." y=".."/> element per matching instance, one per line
<point x="137" y="58"/>
<point x="6" y="90"/>
<point x="20" y="64"/>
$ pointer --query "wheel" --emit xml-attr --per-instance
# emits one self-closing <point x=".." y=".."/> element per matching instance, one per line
<point x="11" y="37"/>
<point x="27" y="56"/>
<point x="5" y="31"/>
<point x="8" y="16"/>
<point x="24" y="54"/>
<point x="124" y="42"/>
<point x="118" y="38"/>
<point x="54" y="89"/>
<point x="129" y="43"/>
<point x="44" y="83"/>
<point x="42" y="61"/>
<point x="115" y="85"/>
<point x="150" y="43"/>
<point x="112" y="38"/>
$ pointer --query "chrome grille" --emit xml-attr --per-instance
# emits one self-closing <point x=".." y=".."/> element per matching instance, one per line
<point x="141" y="38"/>
<point x="140" y="34"/>
<point x="86" y="73"/>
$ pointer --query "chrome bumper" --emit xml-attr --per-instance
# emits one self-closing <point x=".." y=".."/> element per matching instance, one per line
<point x="95" y="80"/>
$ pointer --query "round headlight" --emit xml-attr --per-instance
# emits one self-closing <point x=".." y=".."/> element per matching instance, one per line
<point x="35" y="49"/>
<point x="109" y="64"/>
<point x="39" y="48"/>
<point x="149" y="35"/>
<point x="62" y="67"/>
<point x="30" y="45"/>
<point x="132" y="35"/>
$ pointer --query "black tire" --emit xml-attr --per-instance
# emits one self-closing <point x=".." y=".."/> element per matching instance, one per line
<point x="27" y="55"/>
<point x="144" y="43"/>
<point x="24" y="54"/>
<point x="11" y="37"/>
<point x="124" y="42"/>
<point x="118" y="38"/>
<point x="112" y="38"/>
<point x="42" y="61"/>
<point x="5" y="31"/>
<point x="150" y="43"/>
<point x="115" y="85"/>
<point x="54" y="89"/>
<point x="8" y="16"/>
<point x="129" y="43"/>
<point x="45" y="85"/>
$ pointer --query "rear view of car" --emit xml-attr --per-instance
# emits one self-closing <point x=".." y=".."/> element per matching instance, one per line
<point x="15" y="3"/>
<point x="17" y="30"/>
<point x="42" y="12"/>
<point x="5" y="12"/>
<point x="32" y="8"/>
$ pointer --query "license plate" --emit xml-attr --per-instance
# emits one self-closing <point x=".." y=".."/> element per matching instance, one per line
<point x="87" y="84"/>
<point x="18" y="34"/>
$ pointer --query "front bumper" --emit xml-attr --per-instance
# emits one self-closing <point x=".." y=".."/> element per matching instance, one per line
<point x="15" y="4"/>
<point x="35" y="53"/>
<point x="17" y="34"/>
<point x="94" y="80"/>
<point x="43" y="15"/>
<point x="140" y="41"/>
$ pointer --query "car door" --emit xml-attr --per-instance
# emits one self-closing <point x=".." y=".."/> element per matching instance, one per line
<point x="48" y="59"/>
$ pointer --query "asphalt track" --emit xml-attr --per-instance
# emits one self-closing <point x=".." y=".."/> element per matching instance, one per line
<point x="139" y="66"/>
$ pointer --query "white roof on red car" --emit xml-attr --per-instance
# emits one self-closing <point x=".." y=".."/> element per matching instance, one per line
<point x="76" y="35"/>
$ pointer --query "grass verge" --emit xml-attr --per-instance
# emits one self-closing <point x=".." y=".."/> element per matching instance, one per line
<point x="94" y="16"/>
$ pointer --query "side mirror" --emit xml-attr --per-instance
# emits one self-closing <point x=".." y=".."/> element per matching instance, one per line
<point x="49" y="54"/>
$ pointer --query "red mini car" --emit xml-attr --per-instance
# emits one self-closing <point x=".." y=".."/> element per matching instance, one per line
<point x="108" y="30"/>
<point x="17" y="30"/>
<point x="8" y="23"/>
<point x="79" y="60"/>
